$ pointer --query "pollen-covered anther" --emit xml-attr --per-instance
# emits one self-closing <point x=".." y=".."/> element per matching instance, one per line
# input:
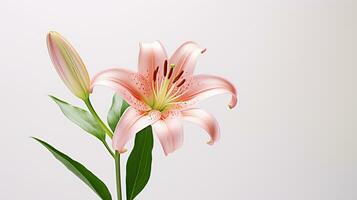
<point x="178" y="76"/>
<point x="155" y="73"/>
<point x="165" y="67"/>
<point x="181" y="83"/>
<point x="172" y="66"/>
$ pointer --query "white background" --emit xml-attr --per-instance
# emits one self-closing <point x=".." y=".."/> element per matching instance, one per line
<point x="294" y="63"/>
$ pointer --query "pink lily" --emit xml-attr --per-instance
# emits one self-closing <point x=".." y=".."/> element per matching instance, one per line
<point x="162" y="93"/>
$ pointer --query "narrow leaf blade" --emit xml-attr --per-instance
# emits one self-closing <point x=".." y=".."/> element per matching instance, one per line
<point x="81" y="117"/>
<point x="116" y="111"/>
<point x="80" y="171"/>
<point x="138" y="167"/>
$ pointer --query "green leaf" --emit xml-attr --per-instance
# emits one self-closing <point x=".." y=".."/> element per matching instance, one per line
<point x="81" y="117"/>
<point x="138" y="167"/>
<point x="80" y="171"/>
<point x="116" y="111"/>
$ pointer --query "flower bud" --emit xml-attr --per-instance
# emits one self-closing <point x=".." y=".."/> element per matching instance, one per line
<point x="69" y="65"/>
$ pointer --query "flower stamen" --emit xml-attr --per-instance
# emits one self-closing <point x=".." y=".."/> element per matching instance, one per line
<point x="167" y="90"/>
<point x="165" y="67"/>
<point x="155" y="73"/>
<point x="181" y="83"/>
<point x="178" y="76"/>
<point x="172" y="66"/>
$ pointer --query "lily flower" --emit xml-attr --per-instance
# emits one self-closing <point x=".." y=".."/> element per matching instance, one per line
<point x="162" y="93"/>
<point x="69" y="65"/>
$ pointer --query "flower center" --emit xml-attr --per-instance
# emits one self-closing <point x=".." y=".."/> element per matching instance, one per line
<point x="166" y="89"/>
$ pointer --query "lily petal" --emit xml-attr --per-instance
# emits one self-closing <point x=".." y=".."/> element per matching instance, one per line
<point x="152" y="54"/>
<point x="132" y="86"/>
<point x="130" y="123"/>
<point x="205" y="120"/>
<point x="185" y="58"/>
<point x="204" y="86"/>
<point x="170" y="134"/>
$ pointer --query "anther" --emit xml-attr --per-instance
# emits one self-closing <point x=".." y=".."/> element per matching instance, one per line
<point x="165" y="67"/>
<point x="172" y="66"/>
<point x="181" y="83"/>
<point x="178" y="76"/>
<point x="155" y="73"/>
<point x="170" y="73"/>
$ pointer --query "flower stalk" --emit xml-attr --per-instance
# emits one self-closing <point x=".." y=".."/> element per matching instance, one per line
<point x="115" y="155"/>
<point x="108" y="148"/>
<point x="95" y="115"/>
<point x="118" y="175"/>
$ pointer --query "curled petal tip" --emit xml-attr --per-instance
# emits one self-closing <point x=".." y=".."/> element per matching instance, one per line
<point x="205" y="120"/>
<point x="231" y="106"/>
<point x="233" y="102"/>
<point x="167" y="153"/>
<point x="123" y="150"/>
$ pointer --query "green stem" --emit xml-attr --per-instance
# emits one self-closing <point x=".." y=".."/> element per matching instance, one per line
<point x="107" y="147"/>
<point x="104" y="127"/>
<point x="95" y="115"/>
<point x="110" y="134"/>
<point x="117" y="173"/>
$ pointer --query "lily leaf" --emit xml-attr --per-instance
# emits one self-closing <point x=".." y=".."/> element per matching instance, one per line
<point x="116" y="111"/>
<point x="80" y="171"/>
<point x="138" y="167"/>
<point x="81" y="117"/>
